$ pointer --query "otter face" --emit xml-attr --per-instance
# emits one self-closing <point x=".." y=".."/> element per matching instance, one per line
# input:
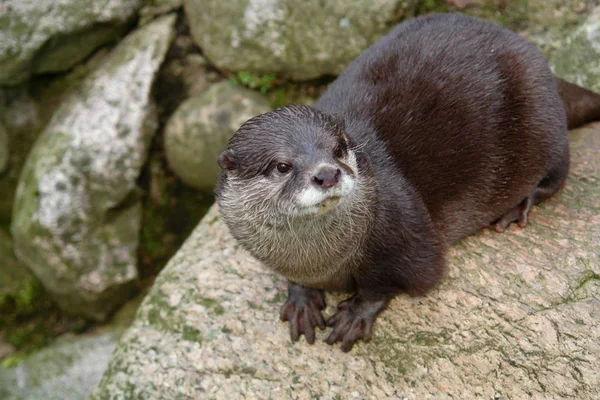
<point x="291" y="162"/>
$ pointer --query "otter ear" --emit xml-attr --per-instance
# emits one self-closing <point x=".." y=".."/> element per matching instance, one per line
<point x="227" y="161"/>
<point x="339" y="121"/>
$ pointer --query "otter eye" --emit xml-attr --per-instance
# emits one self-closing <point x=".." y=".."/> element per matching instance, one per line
<point x="283" y="167"/>
<point x="338" y="152"/>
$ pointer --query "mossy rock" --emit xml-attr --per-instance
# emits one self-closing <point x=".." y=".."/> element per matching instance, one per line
<point x="76" y="218"/>
<point x="17" y="284"/>
<point x="578" y="59"/>
<point x="45" y="36"/>
<point x="299" y="40"/>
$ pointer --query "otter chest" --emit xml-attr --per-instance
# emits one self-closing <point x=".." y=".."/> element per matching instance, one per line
<point x="314" y="256"/>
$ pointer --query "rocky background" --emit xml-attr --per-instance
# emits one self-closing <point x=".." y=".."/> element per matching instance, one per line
<point x="112" y="113"/>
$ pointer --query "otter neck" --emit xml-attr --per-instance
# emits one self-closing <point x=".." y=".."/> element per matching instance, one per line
<point x="318" y="251"/>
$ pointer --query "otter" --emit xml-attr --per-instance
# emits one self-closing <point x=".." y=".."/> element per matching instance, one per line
<point x="446" y="125"/>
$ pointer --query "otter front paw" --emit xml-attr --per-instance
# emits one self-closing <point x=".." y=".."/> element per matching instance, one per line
<point x="354" y="321"/>
<point x="303" y="310"/>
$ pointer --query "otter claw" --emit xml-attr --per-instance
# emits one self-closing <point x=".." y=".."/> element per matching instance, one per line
<point x="354" y="321"/>
<point x="348" y="328"/>
<point x="303" y="310"/>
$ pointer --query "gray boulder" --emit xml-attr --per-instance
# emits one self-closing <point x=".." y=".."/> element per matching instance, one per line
<point x="69" y="368"/>
<point x="295" y="39"/>
<point x="66" y="370"/>
<point x="518" y="316"/>
<point x="76" y="217"/>
<point x="578" y="59"/>
<point x="4" y="151"/>
<point x="40" y="36"/>
<point x="201" y="127"/>
<point x="25" y="110"/>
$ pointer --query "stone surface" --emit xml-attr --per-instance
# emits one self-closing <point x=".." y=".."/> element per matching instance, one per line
<point x="548" y="22"/>
<point x="14" y="276"/>
<point x="518" y="316"/>
<point x="201" y="127"/>
<point x="69" y="368"/>
<point x="66" y="370"/>
<point x="76" y="220"/>
<point x="40" y="36"/>
<point x="19" y="115"/>
<point x="578" y="60"/>
<point x="4" y="150"/>
<point x="293" y="39"/>
<point x="25" y="110"/>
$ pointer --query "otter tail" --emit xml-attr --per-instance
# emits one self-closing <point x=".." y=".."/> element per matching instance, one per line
<point x="581" y="105"/>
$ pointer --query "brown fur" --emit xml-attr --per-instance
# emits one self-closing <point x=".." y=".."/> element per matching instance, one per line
<point x="454" y="123"/>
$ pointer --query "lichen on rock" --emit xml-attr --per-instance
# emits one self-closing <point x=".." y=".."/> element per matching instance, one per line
<point x="76" y="218"/>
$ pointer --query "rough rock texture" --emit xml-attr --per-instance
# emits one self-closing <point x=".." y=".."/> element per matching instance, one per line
<point x="545" y="22"/>
<point x="518" y="316"/>
<point x="4" y="150"/>
<point x="25" y="110"/>
<point x="41" y="36"/>
<point x="294" y="39"/>
<point x="578" y="60"/>
<point x="201" y="127"/>
<point x="76" y="219"/>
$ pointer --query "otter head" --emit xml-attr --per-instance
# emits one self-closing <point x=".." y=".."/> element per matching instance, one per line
<point x="293" y="162"/>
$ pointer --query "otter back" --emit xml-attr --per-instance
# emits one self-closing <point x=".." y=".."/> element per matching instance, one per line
<point x="468" y="111"/>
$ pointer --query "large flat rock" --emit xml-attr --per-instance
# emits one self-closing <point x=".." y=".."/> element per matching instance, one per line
<point x="517" y="317"/>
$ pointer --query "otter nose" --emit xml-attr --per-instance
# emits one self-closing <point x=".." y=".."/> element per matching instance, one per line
<point x="327" y="177"/>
